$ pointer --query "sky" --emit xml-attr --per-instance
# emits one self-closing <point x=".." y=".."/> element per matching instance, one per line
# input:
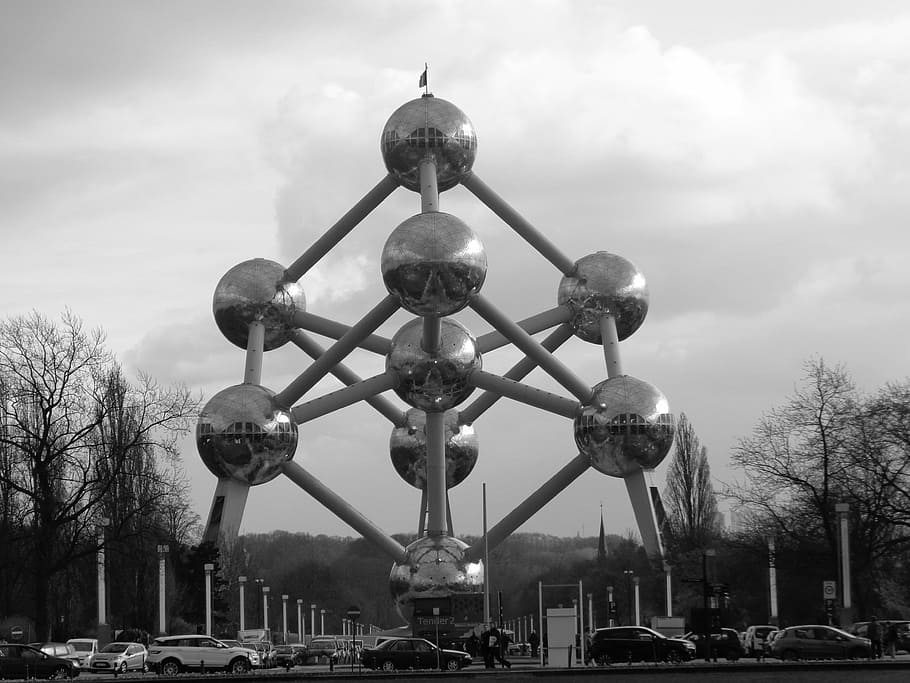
<point x="748" y="157"/>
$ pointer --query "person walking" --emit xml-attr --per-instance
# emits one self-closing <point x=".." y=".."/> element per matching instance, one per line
<point x="891" y="639"/>
<point x="874" y="634"/>
<point x="500" y="649"/>
<point x="534" y="642"/>
<point x="487" y="645"/>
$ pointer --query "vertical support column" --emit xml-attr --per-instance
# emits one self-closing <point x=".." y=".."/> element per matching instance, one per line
<point x="242" y="581"/>
<point x="643" y="506"/>
<point x="429" y="191"/>
<point x="636" y="581"/>
<point x="255" y="347"/>
<point x="102" y="571"/>
<point x="312" y="620"/>
<point x="610" y="341"/>
<point x="162" y="588"/>
<point x="322" y="622"/>
<point x="610" y="604"/>
<point x="591" y="612"/>
<point x="301" y="635"/>
<point x="265" y="606"/>
<point x="669" y="586"/>
<point x="209" y="568"/>
<point x="436" y="473"/>
<point x="486" y="561"/>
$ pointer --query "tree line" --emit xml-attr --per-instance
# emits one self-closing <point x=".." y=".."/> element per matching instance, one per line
<point x="88" y="461"/>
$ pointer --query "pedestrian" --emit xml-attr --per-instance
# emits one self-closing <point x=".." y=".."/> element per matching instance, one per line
<point x="534" y="642"/>
<point x="499" y="642"/>
<point x="546" y="648"/>
<point x="588" y="642"/>
<point x="487" y="643"/>
<point x="473" y="643"/>
<point x="874" y="634"/>
<point x="891" y="639"/>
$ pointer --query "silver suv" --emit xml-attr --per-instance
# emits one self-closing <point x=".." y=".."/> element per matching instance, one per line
<point x="171" y="655"/>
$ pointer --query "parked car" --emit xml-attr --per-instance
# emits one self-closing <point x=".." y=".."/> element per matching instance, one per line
<point x="62" y="650"/>
<point x="285" y="656"/>
<point x="756" y="638"/>
<point x="119" y="657"/>
<point x="412" y="653"/>
<point x="252" y="652"/>
<point x="322" y="646"/>
<point x="299" y="653"/>
<point x="85" y="648"/>
<point x="25" y="661"/>
<point x="861" y="628"/>
<point x="814" y="641"/>
<point x="638" y="644"/>
<point x="264" y="650"/>
<point x="170" y="655"/>
<point x="724" y="644"/>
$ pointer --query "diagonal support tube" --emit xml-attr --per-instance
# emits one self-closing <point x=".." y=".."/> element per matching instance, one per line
<point x="335" y="330"/>
<point x="346" y="375"/>
<point x="536" y="323"/>
<point x="337" y="232"/>
<point x="555" y="368"/>
<point x="344" y="511"/>
<point x="530" y="234"/>
<point x="323" y="365"/>
<point x="344" y="397"/>
<point x="530" y="506"/>
<point x="523" y="393"/>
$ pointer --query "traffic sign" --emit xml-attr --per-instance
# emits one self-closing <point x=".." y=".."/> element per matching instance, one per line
<point x="829" y="590"/>
<point x="353" y="613"/>
<point x="16" y="633"/>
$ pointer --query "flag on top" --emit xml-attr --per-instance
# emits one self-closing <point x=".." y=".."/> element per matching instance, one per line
<point x="423" y="78"/>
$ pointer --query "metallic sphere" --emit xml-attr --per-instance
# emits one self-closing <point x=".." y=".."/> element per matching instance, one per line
<point x="605" y="283"/>
<point x="242" y="433"/>
<point x="256" y="290"/>
<point x="408" y="447"/>
<point x="428" y="127"/>
<point x="435" y="567"/>
<point x="434" y="264"/>
<point x="627" y="426"/>
<point x="433" y="382"/>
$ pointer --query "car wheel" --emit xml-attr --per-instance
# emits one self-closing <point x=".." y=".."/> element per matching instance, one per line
<point x="61" y="672"/>
<point x="602" y="660"/>
<point x="452" y="665"/>
<point x="122" y="667"/>
<point x="674" y="657"/>
<point x="388" y="665"/>
<point x="145" y="668"/>
<point x="169" y="667"/>
<point x="239" y="666"/>
<point x="789" y="655"/>
<point x="858" y="653"/>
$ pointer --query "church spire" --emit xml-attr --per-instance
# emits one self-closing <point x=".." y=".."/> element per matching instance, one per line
<point x="602" y="542"/>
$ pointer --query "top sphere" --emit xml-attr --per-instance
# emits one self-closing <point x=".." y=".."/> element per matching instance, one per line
<point x="604" y="283"/>
<point x="256" y="290"/>
<point x="428" y="127"/>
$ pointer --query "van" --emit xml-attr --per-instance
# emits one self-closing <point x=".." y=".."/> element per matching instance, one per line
<point x="85" y="648"/>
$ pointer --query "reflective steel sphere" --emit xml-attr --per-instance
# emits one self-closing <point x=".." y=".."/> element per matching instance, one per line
<point x="430" y="127"/>
<point x="243" y="434"/>
<point x="605" y="283"/>
<point x="627" y="426"/>
<point x="408" y="447"/>
<point x="435" y="568"/>
<point x="439" y="381"/>
<point x="434" y="264"/>
<point x="256" y="290"/>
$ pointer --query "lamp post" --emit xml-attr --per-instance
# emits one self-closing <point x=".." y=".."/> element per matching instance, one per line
<point x="162" y="586"/>
<point x="209" y="568"/>
<point x="284" y="616"/>
<point x="322" y="622"/>
<point x="259" y="584"/>
<point x="313" y="619"/>
<point x="591" y="612"/>
<point x="636" y="581"/>
<point x="242" y="581"/>
<point x="265" y="607"/>
<point x="102" y="587"/>
<point x="301" y="636"/>
<point x="611" y="606"/>
<point x="843" y="510"/>
<point x="629" y="573"/>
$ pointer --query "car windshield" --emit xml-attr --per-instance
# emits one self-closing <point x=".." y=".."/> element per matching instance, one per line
<point x="840" y="632"/>
<point x="82" y="647"/>
<point x="115" y="647"/>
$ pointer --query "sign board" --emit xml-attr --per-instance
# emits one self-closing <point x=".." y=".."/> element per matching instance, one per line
<point x="16" y="633"/>
<point x="353" y="613"/>
<point x="829" y="590"/>
<point x="435" y="620"/>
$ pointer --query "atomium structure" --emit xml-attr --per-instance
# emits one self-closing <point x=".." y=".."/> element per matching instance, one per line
<point x="433" y="265"/>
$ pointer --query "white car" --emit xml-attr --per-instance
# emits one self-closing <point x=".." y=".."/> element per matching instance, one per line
<point x="119" y="657"/>
<point x="755" y="641"/>
<point x="85" y="648"/>
<point x="171" y="655"/>
<point x="255" y="661"/>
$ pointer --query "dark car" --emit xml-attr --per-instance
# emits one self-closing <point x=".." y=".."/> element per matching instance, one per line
<point x="412" y="653"/>
<point x="638" y="644"/>
<point x="322" y="647"/>
<point x="814" y="641"/>
<point x="24" y="661"/>
<point x="724" y="644"/>
<point x="289" y="655"/>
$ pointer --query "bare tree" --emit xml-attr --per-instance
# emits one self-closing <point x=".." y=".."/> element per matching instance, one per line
<point x="72" y="426"/>
<point x="689" y="499"/>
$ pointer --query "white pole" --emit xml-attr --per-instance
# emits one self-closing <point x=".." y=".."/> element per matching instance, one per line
<point x="635" y="581"/>
<point x="540" y="615"/>
<point x="242" y="581"/>
<point x="102" y="588"/>
<point x="486" y="562"/>
<point x="162" y="588"/>
<point x="609" y="604"/>
<point x="284" y="616"/>
<point x="591" y="612"/>
<point x="265" y="607"/>
<point x="313" y="620"/>
<point x="322" y="622"/>
<point x="669" y="589"/>
<point x="772" y="580"/>
<point x="208" y="597"/>
<point x="301" y="636"/>
<point x="842" y="510"/>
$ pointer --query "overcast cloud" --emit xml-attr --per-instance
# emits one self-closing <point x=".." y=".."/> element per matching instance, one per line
<point x="749" y="157"/>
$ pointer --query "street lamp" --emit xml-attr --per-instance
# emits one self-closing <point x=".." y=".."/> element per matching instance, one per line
<point x="265" y="607"/>
<point x="301" y="636"/>
<point x="322" y="622"/>
<point x="636" y="581"/>
<point x="284" y="616"/>
<point x="162" y="584"/>
<point x="242" y="581"/>
<point x="259" y="583"/>
<point x="629" y="574"/>
<point x="312" y="619"/>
